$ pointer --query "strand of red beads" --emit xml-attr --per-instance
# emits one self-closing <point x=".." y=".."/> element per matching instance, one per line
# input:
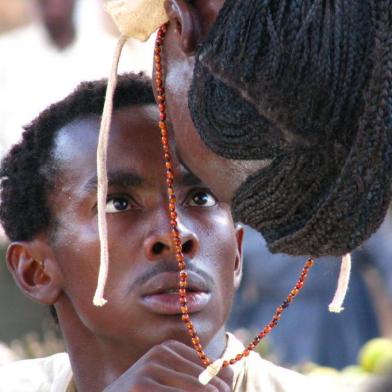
<point x="183" y="277"/>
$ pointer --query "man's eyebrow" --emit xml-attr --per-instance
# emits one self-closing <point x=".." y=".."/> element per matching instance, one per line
<point x="189" y="179"/>
<point x="120" y="178"/>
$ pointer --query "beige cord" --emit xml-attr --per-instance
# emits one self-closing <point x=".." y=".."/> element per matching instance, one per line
<point x="137" y="19"/>
<point x="344" y="277"/>
<point x="102" y="188"/>
<point x="210" y="371"/>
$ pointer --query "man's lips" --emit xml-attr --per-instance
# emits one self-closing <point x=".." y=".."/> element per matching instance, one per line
<point x="160" y="293"/>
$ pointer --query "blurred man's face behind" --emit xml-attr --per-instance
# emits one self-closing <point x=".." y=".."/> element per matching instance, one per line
<point x="56" y="12"/>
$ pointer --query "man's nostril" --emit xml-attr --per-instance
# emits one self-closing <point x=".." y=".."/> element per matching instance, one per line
<point x="158" y="248"/>
<point x="187" y="247"/>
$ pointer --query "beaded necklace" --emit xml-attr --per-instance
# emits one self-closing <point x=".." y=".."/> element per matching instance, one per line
<point x="211" y="368"/>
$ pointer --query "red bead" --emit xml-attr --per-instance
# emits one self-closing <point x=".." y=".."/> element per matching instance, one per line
<point x="198" y="348"/>
<point x="294" y="292"/>
<point x="185" y="318"/>
<point x="182" y="292"/>
<point x="183" y="284"/>
<point x="205" y="361"/>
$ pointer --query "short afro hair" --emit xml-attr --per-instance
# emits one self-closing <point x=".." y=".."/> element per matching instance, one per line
<point x="27" y="173"/>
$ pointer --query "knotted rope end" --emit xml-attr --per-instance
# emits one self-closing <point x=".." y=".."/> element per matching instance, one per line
<point x="344" y="277"/>
<point x="99" y="301"/>
<point x="210" y="371"/>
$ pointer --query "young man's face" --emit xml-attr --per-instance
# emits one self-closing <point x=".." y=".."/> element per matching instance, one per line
<point x="142" y="308"/>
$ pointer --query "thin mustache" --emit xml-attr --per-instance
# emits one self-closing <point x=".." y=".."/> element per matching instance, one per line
<point x="164" y="266"/>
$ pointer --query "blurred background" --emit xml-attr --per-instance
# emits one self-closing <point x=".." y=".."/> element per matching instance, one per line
<point x="46" y="48"/>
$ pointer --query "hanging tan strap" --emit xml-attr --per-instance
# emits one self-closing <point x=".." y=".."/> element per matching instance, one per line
<point x="99" y="299"/>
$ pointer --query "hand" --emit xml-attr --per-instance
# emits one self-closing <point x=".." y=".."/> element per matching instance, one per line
<point x="169" y="367"/>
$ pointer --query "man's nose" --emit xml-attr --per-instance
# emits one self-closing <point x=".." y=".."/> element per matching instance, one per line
<point x="159" y="242"/>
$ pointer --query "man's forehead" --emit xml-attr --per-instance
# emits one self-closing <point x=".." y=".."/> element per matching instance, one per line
<point x="78" y="141"/>
<point x="83" y="131"/>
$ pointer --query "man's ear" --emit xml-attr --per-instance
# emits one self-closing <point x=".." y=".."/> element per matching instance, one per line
<point x="187" y="25"/>
<point x="34" y="270"/>
<point x="239" y="232"/>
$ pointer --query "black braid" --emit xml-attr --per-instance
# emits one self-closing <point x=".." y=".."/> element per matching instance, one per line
<point x="307" y="84"/>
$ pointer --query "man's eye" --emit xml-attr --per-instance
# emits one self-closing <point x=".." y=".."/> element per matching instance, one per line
<point x="201" y="199"/>
<point x="117" y="204"/>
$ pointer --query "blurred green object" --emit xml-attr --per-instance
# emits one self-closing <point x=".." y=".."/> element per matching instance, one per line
<point x="376" y="356"/>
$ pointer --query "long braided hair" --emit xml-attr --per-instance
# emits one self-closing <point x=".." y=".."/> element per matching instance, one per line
<point x="308" y="85"/>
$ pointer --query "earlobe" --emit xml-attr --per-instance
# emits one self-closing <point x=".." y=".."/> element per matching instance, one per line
<point x="187" y="24"/>
<point x="239" y="231"/>
<point x="35" y="272"/>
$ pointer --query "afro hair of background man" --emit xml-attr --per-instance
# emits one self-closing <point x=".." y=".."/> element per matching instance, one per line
<point x="28" y="171"/>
